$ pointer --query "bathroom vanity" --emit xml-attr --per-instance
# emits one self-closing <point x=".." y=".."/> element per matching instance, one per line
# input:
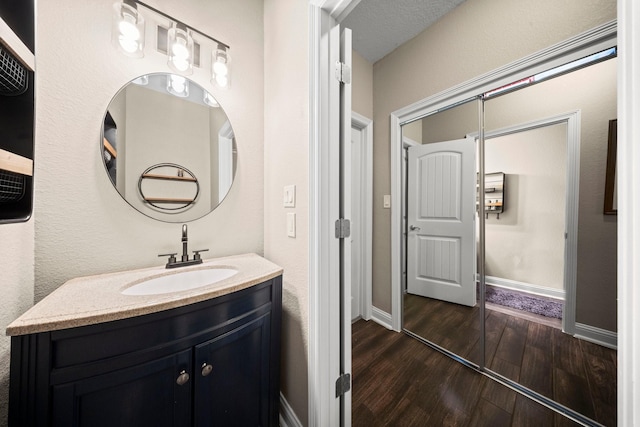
<point x="90" y="355"/>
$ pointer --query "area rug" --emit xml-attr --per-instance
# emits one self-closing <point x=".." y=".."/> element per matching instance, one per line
<point x="526" y="302"/>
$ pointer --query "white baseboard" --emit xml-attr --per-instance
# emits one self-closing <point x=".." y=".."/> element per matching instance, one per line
<point x="288" y="417"/>
<point x="525" y="287"/>
<point x="381" y="317"/>
<point x="597" y="336"/>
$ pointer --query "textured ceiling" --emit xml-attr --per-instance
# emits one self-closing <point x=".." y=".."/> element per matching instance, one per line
<point x="380" y="26"/>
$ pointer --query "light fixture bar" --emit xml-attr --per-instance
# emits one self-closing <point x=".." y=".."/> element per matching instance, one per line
<point x="170" y="18"/>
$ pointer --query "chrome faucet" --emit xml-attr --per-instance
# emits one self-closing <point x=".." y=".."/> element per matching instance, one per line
<point x="184" y="261"/>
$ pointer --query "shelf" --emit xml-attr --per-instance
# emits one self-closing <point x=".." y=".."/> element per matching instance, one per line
<point x="169" y="177"/>
<point x="167" y="200"/>
<point x="12" y="42"/>
<point x="110" y="148"/>
<point x="15" y="163"/>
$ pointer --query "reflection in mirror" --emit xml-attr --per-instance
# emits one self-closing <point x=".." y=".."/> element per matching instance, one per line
<point x="168" y="148"/>
<point x="440" y="296"/>
<point x="532" y="270"/>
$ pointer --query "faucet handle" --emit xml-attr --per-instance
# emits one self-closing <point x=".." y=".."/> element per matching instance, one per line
<point x="172" y="257"/>
<point x="196" y="254"/>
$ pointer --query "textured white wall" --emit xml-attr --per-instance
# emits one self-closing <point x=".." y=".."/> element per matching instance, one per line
<point x="476" y="37"/>
<point x="84" y="227"/>
<point x="16" y="287"/>
<point x="286" y="138"/>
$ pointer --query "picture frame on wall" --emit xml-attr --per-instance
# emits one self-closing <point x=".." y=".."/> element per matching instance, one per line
<point x="611" y="187"/>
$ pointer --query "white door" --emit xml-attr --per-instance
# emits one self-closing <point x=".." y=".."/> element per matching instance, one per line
<point x="441" y="190"/>
<point x="344" y="41"/>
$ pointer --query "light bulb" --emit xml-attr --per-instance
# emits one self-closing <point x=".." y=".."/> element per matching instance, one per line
<point x="177" y="85"/>
<point x="220" y="68"/>
<point x="128" y="27"/>
<point x="221" y="80"/>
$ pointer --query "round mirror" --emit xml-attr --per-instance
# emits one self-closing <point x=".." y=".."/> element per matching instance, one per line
<point x="168" y="147"/>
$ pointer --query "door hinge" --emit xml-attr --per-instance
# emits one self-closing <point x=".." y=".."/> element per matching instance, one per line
<point x="343" y="384"/>
<point x="343" y="228"/>
<point x="343" y="72"/>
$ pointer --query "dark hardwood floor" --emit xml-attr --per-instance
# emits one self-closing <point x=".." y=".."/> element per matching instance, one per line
<point x="399" y="381"/>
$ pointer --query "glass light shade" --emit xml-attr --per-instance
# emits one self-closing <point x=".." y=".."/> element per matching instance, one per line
<point x="128" y="30"/>
<point x="177" y="85"/>
<point x="180" y="50"/>
<point x="220" y="67"/>
<point x="210" y="100"/>
<point x="141" y="81"/>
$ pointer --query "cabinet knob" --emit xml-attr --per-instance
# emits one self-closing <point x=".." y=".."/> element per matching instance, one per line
<point x="183" y="378"/>
<point x="206" y="369"/>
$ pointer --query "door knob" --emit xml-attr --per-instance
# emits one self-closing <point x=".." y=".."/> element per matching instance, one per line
<point x="206" y="369"/>
<point x="414" y="228"/>
<point x="183" y="378"/>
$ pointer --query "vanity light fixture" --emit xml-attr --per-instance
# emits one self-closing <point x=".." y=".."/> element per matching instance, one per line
<point x="220" y="67"/>
<point x="177" y="85"/>
<point x="180" y="49"/>
<point x="182" y="44"/>
<point x="128" y="29"/>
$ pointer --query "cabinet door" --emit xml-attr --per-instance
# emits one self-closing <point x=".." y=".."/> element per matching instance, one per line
<point x="144" y="395"/>
<point x="232" y="377"/>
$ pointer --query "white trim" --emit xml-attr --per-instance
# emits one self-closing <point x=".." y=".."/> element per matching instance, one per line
<point x="324" y="188"/>
<point x="381" y="317"/>
<point x="319" y="382"/>
<point x="628" y="163"/>
<point x="525" y="287"/>
<point x="288" y="417"/>
<point x="577" y="47"/>
<point x="365" y="125"/>
<point x="595" y="335"/>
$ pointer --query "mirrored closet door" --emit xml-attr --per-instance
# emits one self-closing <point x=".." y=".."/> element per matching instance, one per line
<point x="538" y="309"/>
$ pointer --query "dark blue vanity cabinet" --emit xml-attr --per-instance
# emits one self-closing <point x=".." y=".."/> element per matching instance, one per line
<point x="213" y="363"/>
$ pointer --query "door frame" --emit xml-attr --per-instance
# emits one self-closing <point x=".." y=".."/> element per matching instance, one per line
<point x="365" y="126"/>
<point x="577" y="47"/>
<point x="572" y="192"/>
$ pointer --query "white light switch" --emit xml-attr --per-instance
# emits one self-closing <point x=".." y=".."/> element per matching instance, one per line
<point x="290" y="196"/>
<point x="386" y="201"/>
<point x="291" y="224"/>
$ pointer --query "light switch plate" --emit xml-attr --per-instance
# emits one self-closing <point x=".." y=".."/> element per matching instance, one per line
<point x="291" y="224"/>
<point x="386" y="203"/>
<point x="290" y="196"/>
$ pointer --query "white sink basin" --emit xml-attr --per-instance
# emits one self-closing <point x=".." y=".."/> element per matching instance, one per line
<point x="180" y="281"/>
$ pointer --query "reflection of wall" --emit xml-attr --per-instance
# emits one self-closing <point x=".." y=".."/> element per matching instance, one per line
<point x="173" y="131"/>
<point x="527" y="243"/>
<point x="476" y="37"/>
<point x="413" y="131"/>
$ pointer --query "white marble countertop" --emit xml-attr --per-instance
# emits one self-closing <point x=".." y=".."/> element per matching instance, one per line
<point x="95" y="299"/>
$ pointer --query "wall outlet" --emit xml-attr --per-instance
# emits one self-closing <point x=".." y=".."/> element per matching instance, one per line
<point x="290" y="196"/>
